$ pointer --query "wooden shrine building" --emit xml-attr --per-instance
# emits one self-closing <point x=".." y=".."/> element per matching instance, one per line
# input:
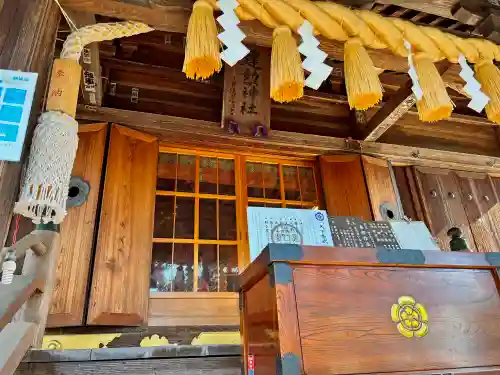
<point x="166" y="166"/>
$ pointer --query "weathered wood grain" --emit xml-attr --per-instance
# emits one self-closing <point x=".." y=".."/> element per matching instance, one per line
<point x="202" y="133"/>
<point x="443" y="206"/>
<point x="27" y="40"/>
<point x="14" y="295"/>
<point x="246" y="97"/>
<point x="348" y="319"/>
<point x="186" y="311"/>
<point x="482" y="208"/>
<point x="380" y="188"/>
<point x="36" y="309"/>
<point x="388" y="114"/>
<point x="77" y="233"/>
<point x="15" y="340"/>
<point x="181" y="366"/>
<point x="120" y="281"/>
<point x="261" y="326"/>
<point x="344" y="186"/>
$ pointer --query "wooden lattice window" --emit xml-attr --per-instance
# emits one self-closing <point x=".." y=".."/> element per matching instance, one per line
<point x="281" y="184"/>
<point x="200" y="240"/>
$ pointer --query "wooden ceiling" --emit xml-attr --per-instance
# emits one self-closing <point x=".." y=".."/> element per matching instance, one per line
<point x="144" y="73"/>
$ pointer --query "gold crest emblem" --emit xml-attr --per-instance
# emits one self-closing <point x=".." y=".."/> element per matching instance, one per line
<point x="411" y="317"/>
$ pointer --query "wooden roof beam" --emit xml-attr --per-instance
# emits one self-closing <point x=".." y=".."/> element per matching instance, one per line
<point x="91" y="82"/>
<point x="388" y="115"/>
<point x="209" y="134"/>
<point x="394" y="109"/>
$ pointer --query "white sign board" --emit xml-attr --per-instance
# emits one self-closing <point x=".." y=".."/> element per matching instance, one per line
<point x="285" y="225"/>
<point x="16" y="97"/>
<point x="413" y="235"/>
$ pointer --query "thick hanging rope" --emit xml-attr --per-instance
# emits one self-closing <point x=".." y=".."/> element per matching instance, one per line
<point x="44" y="190"/>
<point x="371" y="30"/>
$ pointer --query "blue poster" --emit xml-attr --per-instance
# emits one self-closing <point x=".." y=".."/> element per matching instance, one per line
<point x="16" y="97"/>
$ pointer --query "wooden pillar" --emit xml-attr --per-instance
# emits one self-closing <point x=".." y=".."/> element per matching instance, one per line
<point x="27" y="40"/>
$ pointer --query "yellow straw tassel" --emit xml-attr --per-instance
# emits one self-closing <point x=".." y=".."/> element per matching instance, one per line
<point x="488" y="76"/>
<point x="287" y="75"/>
<point x="435" y="105"/>
<point x="202" y="56"/>
<point x="361" y="79"/>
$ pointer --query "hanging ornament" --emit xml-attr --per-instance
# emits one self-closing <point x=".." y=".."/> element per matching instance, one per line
<point x="314" y="62"/>
<point x="232" y="36"/>
<point x="417" y="90"/>
<point x="202" y="53"/>
<point x="287" y="75"/>
<point x="472" y="87"/>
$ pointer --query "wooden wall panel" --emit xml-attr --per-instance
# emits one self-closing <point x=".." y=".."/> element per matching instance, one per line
<point x="344" y="186"/>
<point x="77" y="233"/>
<point x="443" y="206"/>
<point x="406" y="184"/>
<point x="120" y="282"/>
<point x="482" y="208"/>
<point x="27" y="39"/>
<point x="191" y="310"/>
<point x="380" y="188"/>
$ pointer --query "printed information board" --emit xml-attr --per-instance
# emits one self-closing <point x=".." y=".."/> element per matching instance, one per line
<point x="288" y="226"/>
<point x="16" y="97"/>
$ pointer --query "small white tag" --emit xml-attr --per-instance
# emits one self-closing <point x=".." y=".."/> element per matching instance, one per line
<point x="318" y="76"/>
<point x="315" y="57"/>
<point x="306" y="29"/>
<point x="231" y="36"/>
<point x="227" y="5"/>
<point x="228" y="20"/>
<point x="472" y="86"/>
<point x="234" y="54"/>
<point x="416" y="88"/>
<point x="478" y="102"/>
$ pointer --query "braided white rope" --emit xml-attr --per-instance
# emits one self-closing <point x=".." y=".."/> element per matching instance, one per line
<point x="44" y="191"/>
<point x="45" y="188"/>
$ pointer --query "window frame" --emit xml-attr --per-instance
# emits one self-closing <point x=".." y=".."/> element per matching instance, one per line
<point x="241" y="198"/>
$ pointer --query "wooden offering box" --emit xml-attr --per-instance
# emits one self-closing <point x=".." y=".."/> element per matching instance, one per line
<point x="324" y="311"/>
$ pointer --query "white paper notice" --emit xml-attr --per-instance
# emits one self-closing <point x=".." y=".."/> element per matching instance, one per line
<point x="285" y="225"/>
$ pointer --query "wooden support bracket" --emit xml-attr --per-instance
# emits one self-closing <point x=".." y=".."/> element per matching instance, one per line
<point x="394" y="109"/>
<point x="389" y="114"/>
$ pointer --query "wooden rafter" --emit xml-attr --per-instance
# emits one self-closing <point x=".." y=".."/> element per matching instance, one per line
<point x="389" y="114"/>
<point x="393" y="110"/>
<point x="437" y="7"/>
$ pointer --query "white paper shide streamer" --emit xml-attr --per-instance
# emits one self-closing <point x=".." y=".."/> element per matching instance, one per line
<point x="314" y="62"/>
<point x="417" y="90"/>
<point x="472" y="87"/>
<point x="232" y="36"/>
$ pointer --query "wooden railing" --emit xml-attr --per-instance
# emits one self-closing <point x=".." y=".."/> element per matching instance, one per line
<point x="24" y="303"/>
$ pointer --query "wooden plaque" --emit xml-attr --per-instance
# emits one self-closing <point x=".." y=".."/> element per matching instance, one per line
<point x="247" y="98"/>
